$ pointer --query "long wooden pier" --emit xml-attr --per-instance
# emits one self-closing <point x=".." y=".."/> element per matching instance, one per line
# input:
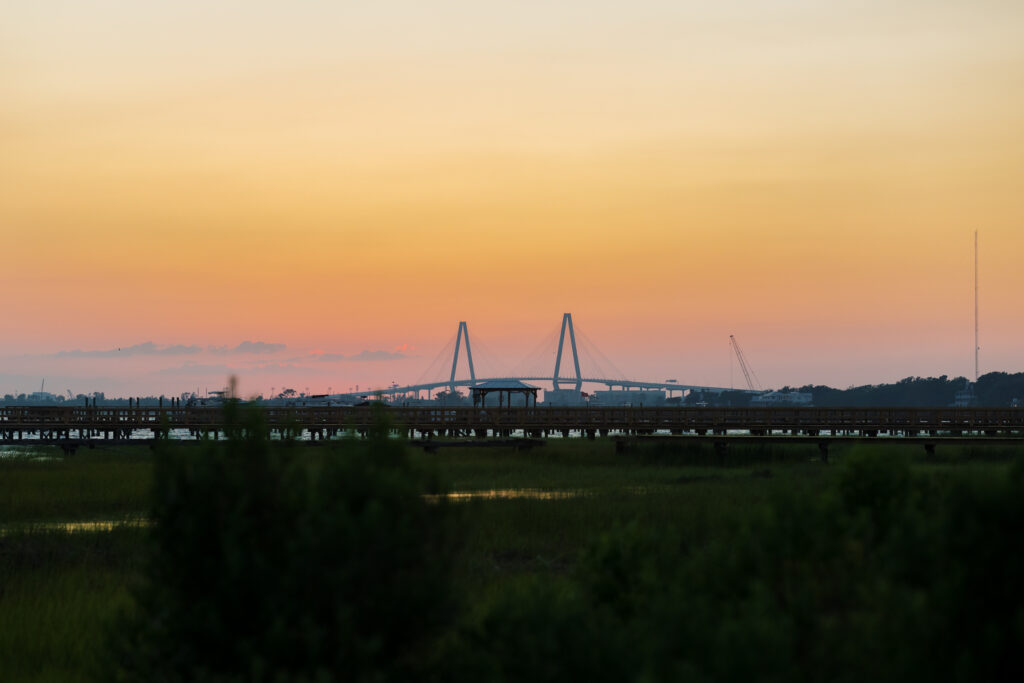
<point x="23" y="424"/>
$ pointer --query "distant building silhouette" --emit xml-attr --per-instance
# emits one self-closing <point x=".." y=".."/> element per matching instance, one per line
<point x="783" y="398"/>
<point x="966" y="397"/>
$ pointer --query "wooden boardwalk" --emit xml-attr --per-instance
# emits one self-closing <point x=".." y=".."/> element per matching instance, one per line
<point x="35" y="424"/>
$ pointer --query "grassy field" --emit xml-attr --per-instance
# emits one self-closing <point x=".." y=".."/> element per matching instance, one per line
<point x="58" y="591"/>
<point x="42" y="485"/>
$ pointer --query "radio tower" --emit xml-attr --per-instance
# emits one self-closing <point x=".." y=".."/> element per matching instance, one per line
<point x="977" y="347"/>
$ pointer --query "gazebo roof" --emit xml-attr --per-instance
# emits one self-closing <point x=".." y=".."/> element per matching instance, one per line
<point x="504" y="385"/>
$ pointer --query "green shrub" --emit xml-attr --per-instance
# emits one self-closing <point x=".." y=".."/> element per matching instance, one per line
<point x="538" y="631"/>
<point x="264" y="568"/>
<point x="880" y="575"/>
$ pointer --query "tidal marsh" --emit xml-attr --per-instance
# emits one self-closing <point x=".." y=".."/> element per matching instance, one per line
<point x="60" y="593"/>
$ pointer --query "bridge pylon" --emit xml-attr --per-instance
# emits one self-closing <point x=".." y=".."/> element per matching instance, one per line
<point x="463" y="331"/>
<point x="567" y="322"/>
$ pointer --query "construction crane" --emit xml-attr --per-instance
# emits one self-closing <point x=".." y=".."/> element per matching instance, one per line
<point x="754" y="384"/>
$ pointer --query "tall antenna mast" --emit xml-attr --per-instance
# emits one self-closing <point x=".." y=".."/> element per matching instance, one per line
<point x="977" y="347"/>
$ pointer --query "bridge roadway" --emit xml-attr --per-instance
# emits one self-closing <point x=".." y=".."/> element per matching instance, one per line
<point x="81" y="425"/>
<point x="610" y="383"/>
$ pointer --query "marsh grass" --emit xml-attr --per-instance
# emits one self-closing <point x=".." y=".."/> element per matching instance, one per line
<point x="684" y="452"/>
<point x="42" y="484"/>
<point x="57" y="592"/>
<point x="507" y="539"/>
<point x="91" y="484"/>
<point x="582" y="465"/>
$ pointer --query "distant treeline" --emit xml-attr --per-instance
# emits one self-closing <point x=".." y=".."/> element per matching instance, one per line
<point x="993" y="389"/>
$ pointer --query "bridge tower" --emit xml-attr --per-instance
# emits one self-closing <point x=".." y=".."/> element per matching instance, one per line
<point x="567" y="322"/>
<point x="463" y="331"/>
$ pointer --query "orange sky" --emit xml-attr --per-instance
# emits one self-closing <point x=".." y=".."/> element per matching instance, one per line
<point x="341" y="179"/>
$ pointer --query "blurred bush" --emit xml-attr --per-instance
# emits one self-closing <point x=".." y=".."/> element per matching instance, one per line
<point x="883" y="575"/>
<point x="267" y="568"/>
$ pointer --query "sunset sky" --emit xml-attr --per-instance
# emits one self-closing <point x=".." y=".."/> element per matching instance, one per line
<point x="314" y="194"/>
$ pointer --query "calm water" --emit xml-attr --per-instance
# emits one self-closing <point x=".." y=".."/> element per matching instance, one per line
<point x="74" y="527"/>
<point x="102" y="525"/>
<point x="506" y="494"/>
<point x="27" y="453"/>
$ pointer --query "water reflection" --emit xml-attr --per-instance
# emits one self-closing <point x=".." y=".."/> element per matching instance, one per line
<point x="504" y="494"/>
<point x="106" y="525"/>
<point x="26" y="453"/>
<point x="92" y="526"/>
<point x="101" y="525"/>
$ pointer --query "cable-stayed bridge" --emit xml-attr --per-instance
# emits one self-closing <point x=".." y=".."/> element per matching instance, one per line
<point x="572" y="377"/>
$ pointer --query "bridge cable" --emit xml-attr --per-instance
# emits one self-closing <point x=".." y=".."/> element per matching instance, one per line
<point x="537" y="363"/>
<point x="617" y="374"/>
<point x="434" y="371"/>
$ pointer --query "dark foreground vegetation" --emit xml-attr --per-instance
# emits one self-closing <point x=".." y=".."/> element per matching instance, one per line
<point x="277" y="562"/>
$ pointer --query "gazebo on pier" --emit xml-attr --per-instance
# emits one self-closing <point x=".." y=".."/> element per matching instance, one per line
<point x="504" y="389"/>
